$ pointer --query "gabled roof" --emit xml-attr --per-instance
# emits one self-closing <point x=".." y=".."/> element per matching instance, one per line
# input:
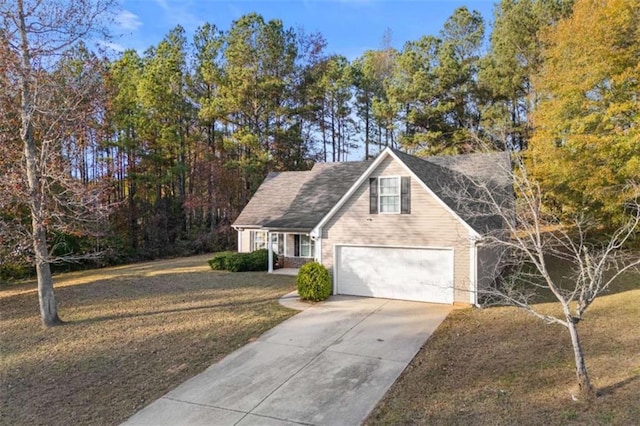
<point x="299" y="200"/>
<point x="303" y="200"/>
<point x="465" y="182"/>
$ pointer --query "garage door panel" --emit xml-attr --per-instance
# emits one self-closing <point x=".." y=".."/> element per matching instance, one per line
<point x="396" y="273"/>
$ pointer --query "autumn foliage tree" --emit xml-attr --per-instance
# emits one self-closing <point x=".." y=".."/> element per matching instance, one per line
<point x="586" y="144"/>
<point x="35" y="34"/>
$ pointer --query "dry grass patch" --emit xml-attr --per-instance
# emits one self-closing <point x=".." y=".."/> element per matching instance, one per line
<point x="501" y="366"/>
<point x="133" y="333"/>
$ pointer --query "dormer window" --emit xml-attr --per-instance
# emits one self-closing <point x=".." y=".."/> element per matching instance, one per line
<point x="390" y="195"/>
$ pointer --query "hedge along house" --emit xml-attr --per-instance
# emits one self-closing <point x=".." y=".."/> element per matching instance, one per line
<point x="392" y="227"/>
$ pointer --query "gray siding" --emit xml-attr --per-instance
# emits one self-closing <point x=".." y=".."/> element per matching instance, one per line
<point x="428" y="225"/>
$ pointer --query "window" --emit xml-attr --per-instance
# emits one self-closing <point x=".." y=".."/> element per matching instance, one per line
<point x="304" y="246"/>
<point x="258" y="240"/>
<point x="389" y="194"/>
<point x="277" y="243"/>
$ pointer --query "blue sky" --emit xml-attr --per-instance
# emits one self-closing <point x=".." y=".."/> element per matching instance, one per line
<point x="349" y="26"/>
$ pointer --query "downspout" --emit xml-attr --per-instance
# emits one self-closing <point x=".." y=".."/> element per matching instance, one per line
<point x="473" y="270"/>
<point x="316" y="235"/>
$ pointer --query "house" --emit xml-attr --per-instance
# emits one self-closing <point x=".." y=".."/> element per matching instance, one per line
<point x="392" y="227"/>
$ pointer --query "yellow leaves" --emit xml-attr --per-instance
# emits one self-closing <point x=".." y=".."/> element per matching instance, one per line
<point x="586" y="128"/>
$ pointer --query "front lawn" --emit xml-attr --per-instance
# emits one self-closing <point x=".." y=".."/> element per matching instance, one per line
<point x="501" y="366"/>
<point x="133" y="333"/>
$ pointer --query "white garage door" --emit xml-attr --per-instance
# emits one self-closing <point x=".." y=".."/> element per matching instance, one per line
<point x="424" y="275"/>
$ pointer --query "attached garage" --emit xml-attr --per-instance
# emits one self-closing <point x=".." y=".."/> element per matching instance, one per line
<point x="407" y="273"/>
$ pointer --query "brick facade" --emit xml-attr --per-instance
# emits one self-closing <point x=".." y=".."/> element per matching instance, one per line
<point x="294" y="262"/>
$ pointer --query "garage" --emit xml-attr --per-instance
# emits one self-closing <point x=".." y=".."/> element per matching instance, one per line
<point x="406" y="273"/>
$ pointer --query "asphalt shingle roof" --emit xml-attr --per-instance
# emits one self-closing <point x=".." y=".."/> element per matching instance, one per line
<point x="465" y="182"/>
<point x="272" y="199"/>
<point x="299" y="200"/>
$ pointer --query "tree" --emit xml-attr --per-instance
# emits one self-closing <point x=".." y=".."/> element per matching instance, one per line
<point x="531" y="236"/>
<point x="165" y="134"/>
<point x="413" y="95"/>
<point x="368" y="80"/>
<point x="255" y="97"/>
<point x="507" y="69"/>
<point x="124" y="117"/>
<point x="36" y="32"/>
<point x="308" y="96"/>
<point x="459" y="57"/>
<point x="207" y="168"/>
<point x="586" y="142"/>
<point x="13" y="215"/>
<point x="335" y="122"/>
<point x="433" y="88"/>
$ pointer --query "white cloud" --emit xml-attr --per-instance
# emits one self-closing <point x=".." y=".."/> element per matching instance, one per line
<point x="128" y="20"/>
<point x="180" y="12"/>
<point x="163" y="4"/>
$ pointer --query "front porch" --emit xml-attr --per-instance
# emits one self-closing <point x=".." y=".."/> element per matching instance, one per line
<point x="292" y="248"/>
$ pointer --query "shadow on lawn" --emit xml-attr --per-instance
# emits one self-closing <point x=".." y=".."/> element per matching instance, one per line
<point x="560" y="271"/>
<point x="193" y="288"/>
<point x="192" y="264"/>
<point x="610" y="390"/>
<point x="92" y="320"/>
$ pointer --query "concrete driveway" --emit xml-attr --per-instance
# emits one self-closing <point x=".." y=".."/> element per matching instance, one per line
<point x="328" y="365"/>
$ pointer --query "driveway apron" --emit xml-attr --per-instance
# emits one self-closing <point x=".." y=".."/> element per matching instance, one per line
<point x="328" y="365"/>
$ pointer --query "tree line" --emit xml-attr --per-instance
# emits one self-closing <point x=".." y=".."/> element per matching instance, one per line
<point x="150" y="155"/>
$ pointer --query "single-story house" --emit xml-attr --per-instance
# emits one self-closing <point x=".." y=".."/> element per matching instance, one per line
<point x="391" y="227"/>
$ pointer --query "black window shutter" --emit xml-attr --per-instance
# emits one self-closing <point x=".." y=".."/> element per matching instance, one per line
<point x="373" y="195"/>
<point x="296" y="245"/>
<point x="405" y="195"/>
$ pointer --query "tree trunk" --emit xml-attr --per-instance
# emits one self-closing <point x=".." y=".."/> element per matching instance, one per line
<point x="333" y="134"/>
<point x="586" y="388"/>
<point x="324" y="136"/>
<point x="46" y="297"/>
<point x="366" y="133"/>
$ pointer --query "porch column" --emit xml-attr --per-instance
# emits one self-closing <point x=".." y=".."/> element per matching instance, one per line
<point x="318" y="251"/>
<point x="270" y="251"/>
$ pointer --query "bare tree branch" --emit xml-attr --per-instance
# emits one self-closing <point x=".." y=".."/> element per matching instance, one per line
<point x="531" y="235"/>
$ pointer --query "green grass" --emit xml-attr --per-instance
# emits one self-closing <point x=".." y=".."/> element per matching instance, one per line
<point x="132" y="334"/>
<point x="502" y="366"/>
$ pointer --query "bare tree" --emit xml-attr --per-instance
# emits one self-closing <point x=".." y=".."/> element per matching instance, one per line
<point x="36" y="33"/>
<point x="531" y="234"/>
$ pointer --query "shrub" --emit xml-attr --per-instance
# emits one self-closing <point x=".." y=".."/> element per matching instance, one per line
<point x="240" y="262"/>
<point x="259" y="259"/>
<point x="219" y="261"/>
<point x="314" y="282"/>
<point x="237" y="262"/>
<point x="15" y="271"/>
